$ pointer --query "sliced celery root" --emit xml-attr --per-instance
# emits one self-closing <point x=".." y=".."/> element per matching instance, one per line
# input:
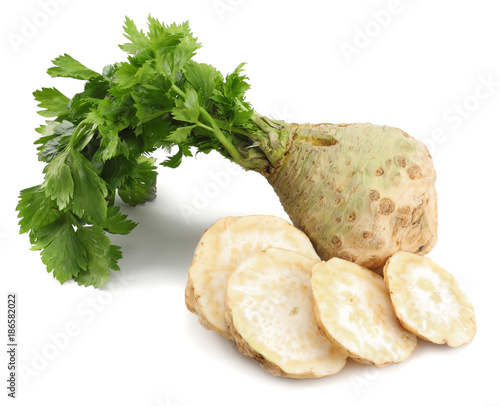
<point x="270" y="312"/>
<point x="354" y="311"/>
<point x="428" y="300"/>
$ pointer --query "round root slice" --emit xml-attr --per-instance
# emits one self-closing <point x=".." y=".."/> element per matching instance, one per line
<point x="222" y="248"/>
<point x="428" y="301"/>
<point x="269" y="310"/>
<point x="354" y="311"/>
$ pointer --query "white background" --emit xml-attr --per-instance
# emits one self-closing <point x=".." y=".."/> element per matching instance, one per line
<point x="420" y="66"/>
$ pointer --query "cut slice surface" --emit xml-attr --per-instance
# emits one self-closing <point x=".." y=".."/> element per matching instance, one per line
<point x="270" y="312"/>
<point x="222" y="248"/>
<point x="354" y="311"/>
<point x="428" y="300"/>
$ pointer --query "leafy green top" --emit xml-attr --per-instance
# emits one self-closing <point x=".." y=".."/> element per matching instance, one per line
<point x="97" y="143"/>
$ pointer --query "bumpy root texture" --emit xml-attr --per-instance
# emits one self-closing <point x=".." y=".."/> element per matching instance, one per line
<point x="269" y="310"/>
<point x="222" y="248"/>
<point x="361" y="192"/>
<point x="428" y="301"/>
<point x="354" y="311"/>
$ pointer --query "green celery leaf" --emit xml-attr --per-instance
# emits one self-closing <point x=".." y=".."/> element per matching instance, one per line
<point x="93" y="117"/>
<point x="116" y="170"/>
<point x="180" y="134"/>
<point x="53" y="147"/>
<point x="108" y="72"/>
<point x="241" y="116"/>
<point x="174" y="161"/>
<point x="47" y="128"/>
<point x="62" y="128"/>
<point x="202" y="77"/>
<point x="235" y="85"/>
<point x="83" y="136"/>
<point x="229" y="98"/>
<point x="96" y="245"/>
<point x="126" y="74"/>
<point x="62" y="251"/>
<point x="141" y="186"/>
<point x="89" y="189"/>
<point x="58" y="181"/>
<point x="138" y="41"/>
<point x="182" y="53"/>
<point x="109" y="110"/>
<point x="56" y="136"/>
<point x="35" y="210"/>
<point x="147" y="72"/>
<point x="117" y="223"/>
<point x="81" y="105"/>
<point x="173" y="46"/>
<point x="111" y="145"/>
<point x="96" y="88"/>
<point x="161" y="38"/>
<point x="147" y="113"/>
<point x="150" y="101"/>
<point x="68" y="67"/>
<point x="155" y="132"/>
<point x="188" y="109"/>
<point x="114" y="254"/>
<point x="53" y="101"/>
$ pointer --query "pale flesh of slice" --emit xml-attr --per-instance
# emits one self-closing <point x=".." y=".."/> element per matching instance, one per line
<point x="354" y="311"/>
<point x="428" y="300"/>
<point x="222" y="248"/>
<point x="269" y="310"/>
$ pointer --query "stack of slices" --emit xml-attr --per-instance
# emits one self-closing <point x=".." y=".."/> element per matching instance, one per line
<point x="258" y="281"/>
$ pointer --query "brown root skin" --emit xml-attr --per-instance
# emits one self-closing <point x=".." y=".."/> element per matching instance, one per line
<point x="189" y="297"/>
<point x="361" y="192"/>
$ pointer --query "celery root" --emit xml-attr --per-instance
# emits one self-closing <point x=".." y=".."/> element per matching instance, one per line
<point x="361" y="192"/>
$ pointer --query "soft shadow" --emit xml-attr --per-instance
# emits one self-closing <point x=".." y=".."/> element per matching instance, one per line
<point x="161" y="247"/>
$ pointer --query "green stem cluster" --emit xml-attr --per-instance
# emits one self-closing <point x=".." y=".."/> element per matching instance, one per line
<point x="96" y="143"/>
